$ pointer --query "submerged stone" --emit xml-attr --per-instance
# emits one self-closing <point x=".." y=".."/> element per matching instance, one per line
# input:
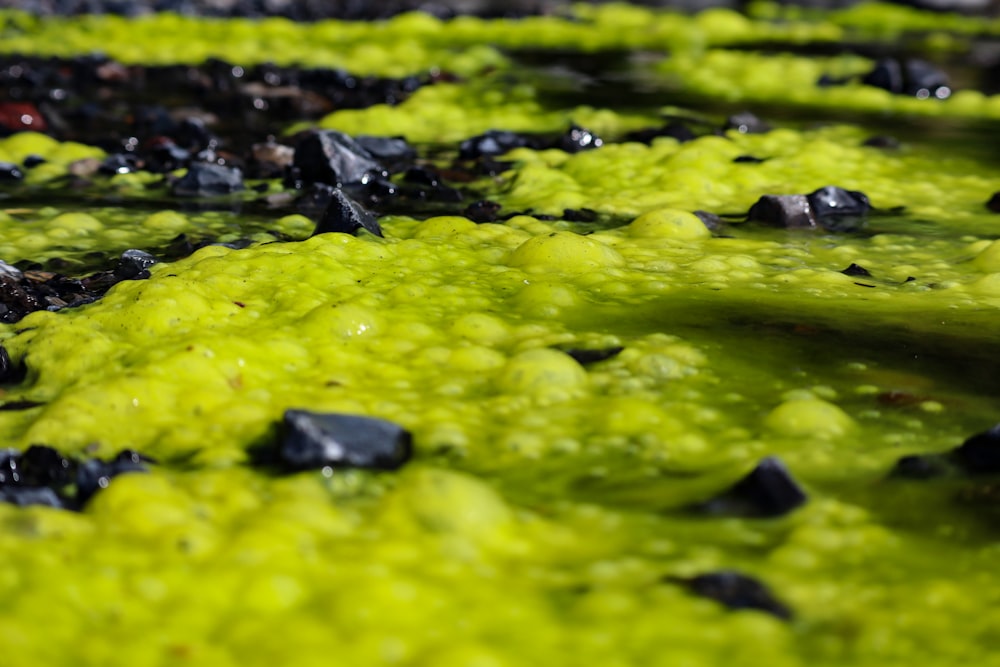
<point x="493" y="142"/>
<point x="134" y="264"/>
<point x="909" y="77"/>
<point x="318" y="440"/>
<point x="578" y="139"/>
<point x="980" y="454"/>
<point x="767" y="491"/>
<point x="736" y="591"/>
<point x="838" y="209"/>
<point x="790" y="211"/>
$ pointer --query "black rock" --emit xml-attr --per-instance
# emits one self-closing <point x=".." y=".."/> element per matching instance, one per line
<point x="328" y="156"/>
<point x="881" y="141"/>
<point x="10" y="373"/>
<point x="856" y="270"/>
<point x="766" y="491"/>
<point x="118" y="163"/>
<point x="584" y="357"/>
<point x="838" y="209"/>
<point x="911" y="77"/>
<point x="346" y="216"/>
<point x="922" y="466"/>
<point x="94" y="475"/>
<point x="578" y="139"/>
<point x="579" y="215"/>
<point x="318" y="440"/>
<point x="748" y="159"/>
<point x="32" y="161"/>
<point x="41" y="465"/>
<point x="980" y="454"/>
<point x="712" y="221"/>
<point x="134" y="264"/>
<point x="388" y="149"/>
<point x="790" y="211"/>
<point x="482" y="211"/>
<point x="24" y="496"/>
<point x="736" y="591"/>
<point x="208" y="180"/>
<point x="493" y="142"/>
<point x="887" y="74"/>
<point x="10" y="172"/>
<point x="746" y="123"/>
<point x="192" y="135"/>
<point x="994" y="203"/>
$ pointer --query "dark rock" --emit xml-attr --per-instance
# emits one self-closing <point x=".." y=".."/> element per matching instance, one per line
<point x="994" y="203"/>
<point x="736" y="591"/>
<point x="881" y="141"/>
<point x="790" y="211"/>
<point x="32" y="161"/>
<point x="921" y="466"/>
<point x="746" y="123"/>
<point x="208" y="180"/>
<point x="579" y="215"/>
<point x="192" y="135"/>
<point x="980" y="454"/>
<point x="23" y="496"/>
<point x="10" y="373"/>
<point x="422" y="176"/>
<point x="856" y="270"/>
<point x="838" y="209"/>
<point x="317" y="440"/>
<point x="41" y="465"/>
<point x="10" y="172"/>
<point x="748" y="159"/>
<point x="887" y="74"/>
<point x="328" y="156"/>
<point x="94" y="474"/>
<point x="910" y="77"/>
<point x="584" y="357"/>
<point x="578" y="139"/>
<point x="482" y="211"/>
<point x="119" y="163"/>
<point x="493" y="142"/>
<point x="346" y="216"/>
<point x="767" y="491"/>
<point x="712" y="221"/>
<point x="387" y="149"/>
<point x="134" y="264"/>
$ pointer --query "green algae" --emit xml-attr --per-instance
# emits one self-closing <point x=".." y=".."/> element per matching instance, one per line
<point x="545" y="509"/>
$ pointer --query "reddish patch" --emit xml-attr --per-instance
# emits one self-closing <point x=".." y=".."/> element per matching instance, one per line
<point x="20" y="116"/>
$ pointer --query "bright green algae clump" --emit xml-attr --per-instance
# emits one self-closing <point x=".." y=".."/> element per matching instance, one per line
<point x="545" y="511"/>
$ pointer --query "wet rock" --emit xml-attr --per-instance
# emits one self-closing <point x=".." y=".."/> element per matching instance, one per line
<point x="748" y="159"/>
<point x="119" y="163"/>
<point x="387" y="149"/>
<point x="328" y="156"/>
<point x="94" y="474"/>
<point x="318" y="440"/>
<point x="980" y="454"/>
<point x="270" y="159"/>
<point x="579" y="215"/>
<point x="41" y="465"/>
<point x="994" y="203"/>
<point x="855" y="270"/>
<point x="881" y="141"/>
<point x="10" y="172"/>
<point x="838" y="209"/>
<point x="909" y="77"/>
<point x="192" y="135"/>
<point x="20" y="117"/>
<point x="746" y="123"/>
<point x="482" y="211"/>
<point x="25" y="496"/>
<point x="712" y="221"/>
<point x="493" y="142"/>
<point x="346" y="216"/>
<point x="790" y="211"/>
<point x="134" y="264"/>
<point x="578" y="139"/>
<point x="920" y="466"/>
<point x="10" y="372"/>
<point x="10" y="271"/>
<point x="592" y="356"/>
<point x="736" y="591"/>
<point x="767" y="491"/>
<point x="208" y="180"/>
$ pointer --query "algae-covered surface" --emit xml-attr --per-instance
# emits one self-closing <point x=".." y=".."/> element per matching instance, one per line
<point x="559" y="507"/>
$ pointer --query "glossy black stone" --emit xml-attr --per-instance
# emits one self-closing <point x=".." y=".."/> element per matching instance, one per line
<point x="592" y="356"/>
<point x="856" y="270"/>
<point x="328" y="156"/>
<point x="980" y="454"/>
<point x="736" y="591"/>
<point x="994" y="203"/>
<point x="208" y="180"/>
<point x="767" y="491"/>
<point x="10" y="172"/>
<point x="317" y="440"/>
<point x="94" y="474"/>
<point x="493" y="142"/>
<point x="482" y="211"/>
<point x="23" y="496"/>
<point x="790" y="211"/>
<point x="909" y="77"/>
<point x="134" y="264"/>
<point x="10" y="372"/>
<point x="922" y="466"/>
<point x="578" y="139"/>
<point x="387" y="149"/>
<point x="838" y="209"/>
<point x="746" y="123"/>
<point x="346" y="216"/>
